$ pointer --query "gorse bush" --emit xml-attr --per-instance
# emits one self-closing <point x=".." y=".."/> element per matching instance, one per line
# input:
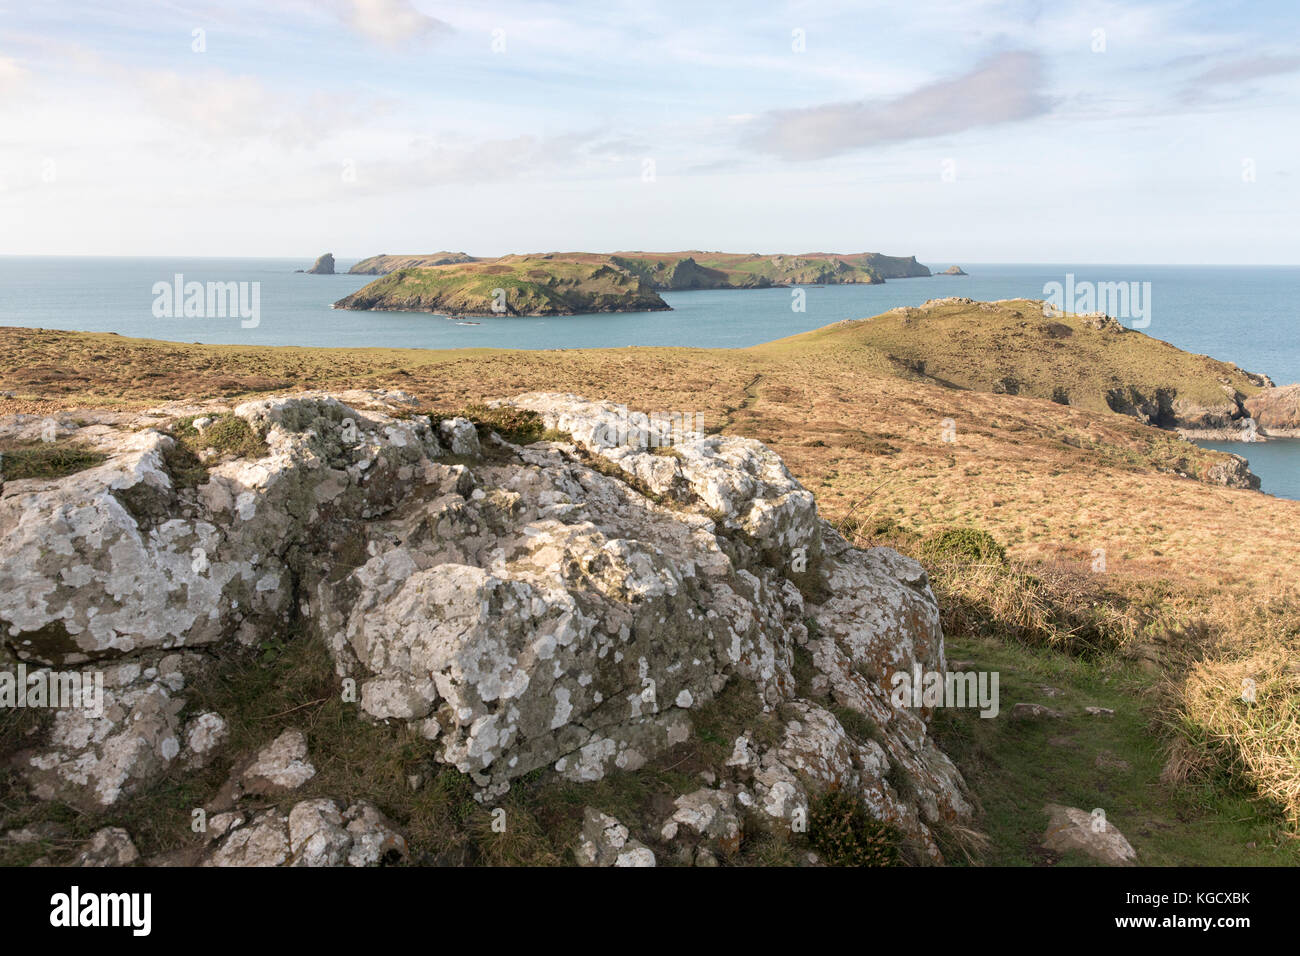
<point x="518" y="426"/>
<point x="228" y="435"/>
<point x="964" y="544"/>
<point x="847" y="835"/>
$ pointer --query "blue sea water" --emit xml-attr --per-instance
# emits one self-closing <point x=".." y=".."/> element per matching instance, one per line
<point x="1247" y="315"/>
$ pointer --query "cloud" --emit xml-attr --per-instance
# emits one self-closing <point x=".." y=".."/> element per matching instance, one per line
<point x="390" y="22"/>
<point x="11" y="75"/>
<point x="1002" y="89"/>
<point x="1249" y="68"/>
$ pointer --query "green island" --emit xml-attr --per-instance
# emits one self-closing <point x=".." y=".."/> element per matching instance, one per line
<point x="570" y="283"/>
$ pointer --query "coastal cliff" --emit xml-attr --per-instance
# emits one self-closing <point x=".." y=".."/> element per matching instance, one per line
<point x="1011" y="347"/>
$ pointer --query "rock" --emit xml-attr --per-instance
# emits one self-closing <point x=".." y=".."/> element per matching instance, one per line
<point x="1100" y="711"/>
<point x="1034" y="712"/>
<point x="461" y="436"/>
<point x="1048" y="691"/>
<point x="280" y="766"/>
<point x="317" y="835"/>
<point x="1070" y="828"/>
<point x="606" y="842"/>
<point x="565" y="604"/>
<point x="324" y="266"/>
<point x="222" y="823"/>
<point x="952" y="271"/>
<point x="37" y="833"/>
<point x="110" y="846"/>
<point x="1276" y="411"/>
<point x="263" y="842"/>
<point x="204" y="736"/>
<point x="93" y="761"/>
<point x="375" y="841"/>
<point x="708" y="815"/>
<point x="1232" y="472"/>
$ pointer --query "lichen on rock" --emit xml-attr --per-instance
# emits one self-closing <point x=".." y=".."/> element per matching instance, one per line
<point x="568" y="604"/>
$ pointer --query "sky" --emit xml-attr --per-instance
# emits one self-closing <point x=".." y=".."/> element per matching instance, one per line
<point x="1103" y="132"/>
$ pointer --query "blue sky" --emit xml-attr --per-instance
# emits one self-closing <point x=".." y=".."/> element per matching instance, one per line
<point x="976" y="132"/>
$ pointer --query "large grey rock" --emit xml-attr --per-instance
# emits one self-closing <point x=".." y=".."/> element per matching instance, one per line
<point x="565" y="604"/>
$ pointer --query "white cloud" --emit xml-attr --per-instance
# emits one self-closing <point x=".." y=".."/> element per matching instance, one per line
<point x="1002" y="89"/>
<point x="390" y="22"/>
<point x="12" y="75"/>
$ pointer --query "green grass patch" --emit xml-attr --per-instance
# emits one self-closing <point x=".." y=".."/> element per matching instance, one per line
<point x="46" y="460"/>
<point x="1085" y="761"/>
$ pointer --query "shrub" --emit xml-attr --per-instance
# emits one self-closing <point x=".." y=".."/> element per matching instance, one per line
<point x="964" y="545"/>
<point x="846" y="835"/>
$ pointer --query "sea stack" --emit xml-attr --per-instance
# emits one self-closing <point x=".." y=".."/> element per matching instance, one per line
<point x="953" y="271"/>
<point x="324" y="266"/>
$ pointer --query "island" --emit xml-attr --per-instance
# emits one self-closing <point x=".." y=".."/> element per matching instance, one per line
<point x="953" y="271"/>
<point x="569" y="283"/>
<point x="324" y="266"/>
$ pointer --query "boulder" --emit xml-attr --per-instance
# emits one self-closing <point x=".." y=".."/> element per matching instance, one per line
<point x="566" y="604"/>
<point x="1070" y="828"/>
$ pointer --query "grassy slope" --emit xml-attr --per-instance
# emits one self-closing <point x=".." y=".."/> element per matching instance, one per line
<point x="1010" y="347"/>
<point x="1198" y="577"/>
<point x="532" y="286"/>
<point x="383" y="263"/>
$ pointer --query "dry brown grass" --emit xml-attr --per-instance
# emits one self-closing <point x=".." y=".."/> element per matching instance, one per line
<point x="1198" y="580"/>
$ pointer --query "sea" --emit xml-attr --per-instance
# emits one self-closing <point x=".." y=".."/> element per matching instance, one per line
<point x="1249" y="315"/>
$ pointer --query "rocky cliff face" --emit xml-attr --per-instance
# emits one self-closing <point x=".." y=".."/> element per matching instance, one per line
<point x="324" y="266"/>
<point x="1276" y="411"/>
<point x="564" y="604"/>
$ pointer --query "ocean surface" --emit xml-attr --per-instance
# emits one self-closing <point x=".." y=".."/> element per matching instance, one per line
<point x="1249" y="315"/>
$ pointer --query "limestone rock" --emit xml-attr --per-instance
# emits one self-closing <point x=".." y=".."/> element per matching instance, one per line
<point x="110" y="846"/>
<point x="280" y="766"/>
<point x="93" y="760"/>
<point x="1070" y="828"/>
<point x="708" y="815"/>
<point x="263" y="842"/>
<point x="567" y="604"/>
<point x="604" y="841"/>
